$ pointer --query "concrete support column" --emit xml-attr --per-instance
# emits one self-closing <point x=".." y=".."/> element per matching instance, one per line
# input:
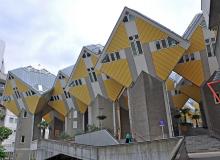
<point x="203" y="117"/>
<point x="26" y="132"/>
<point x="90" y="115"/>
<point x="148" y="108"/>
<point x="217" y="46"/>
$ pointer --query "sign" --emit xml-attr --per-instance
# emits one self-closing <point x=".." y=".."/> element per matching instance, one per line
<point x="162" y="123"/>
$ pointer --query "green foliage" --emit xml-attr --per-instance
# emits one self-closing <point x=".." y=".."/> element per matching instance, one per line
<point x="92" y="128"/>
<point x="65" y="136"/>
<point x="2" y="153"/>
<point x="43" y="124"/>
<point x="4" y="133"/>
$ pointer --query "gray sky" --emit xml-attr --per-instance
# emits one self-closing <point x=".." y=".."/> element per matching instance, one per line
<point x="52" y="32"/>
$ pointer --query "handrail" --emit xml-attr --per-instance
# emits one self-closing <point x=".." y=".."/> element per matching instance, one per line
<point x="177" y="148"/>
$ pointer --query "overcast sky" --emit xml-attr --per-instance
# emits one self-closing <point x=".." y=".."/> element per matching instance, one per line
<point x="52" y="32"/>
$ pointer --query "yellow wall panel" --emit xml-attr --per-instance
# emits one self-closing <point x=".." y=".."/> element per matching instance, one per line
<point x="81" y="70"/>
<point x="192" y="91"/>
<point x="169" y="84"/>
<point x="196" y="41"/>
<point x="119" y="40"/>
<point x="8" y="91"/>
<point x="21" y="86"/>
<point x="94" y="60"/>
<point x="148" y="32"/>
<point x="180" y="100"/>
<point x="59" y="106"/>
<point x="192" y="71"/>
<point x="82" y="107"/>
<point x="112" y="88"/>
<point x="57" y="88"/>
<point x="48" y="117"/>
<point x="165" y="60"/>
<point x="11" y="105"/>
<point x="119" y="71"/>
<point x="32" y="102"/>
<point x="82" y="93"/>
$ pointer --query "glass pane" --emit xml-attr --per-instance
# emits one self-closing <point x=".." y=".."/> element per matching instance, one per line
<point x="139" y="47"/>
<point x="133" y="48"/>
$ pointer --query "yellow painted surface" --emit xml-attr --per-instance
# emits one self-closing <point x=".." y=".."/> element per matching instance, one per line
<point x="169" y="84"/>
<point x="59" y="106"/>
<point x="81" y="107"/>
<point x="192" y="71"/>
<point x="148" y="32"/>
<point x="21" y="86"/>
<point x="32" y="103"/>
<point x="80" y="70"/>
<point x="11" y="106"/>
<point x="165" y="60"/>
<point x="57" y="88"/>
<point x="192" y="91"/>
<point x="119" y="71"/>
<point x="180" y="100"/>
<point x="82" y="93"/>
<point x="8" y="90"/>
<point x="119" y="39"/>
<point x="112" y="88"/>
<point x="196" y="41"/>
<point x="94" y="59"/>
<point x="48" y="117"/>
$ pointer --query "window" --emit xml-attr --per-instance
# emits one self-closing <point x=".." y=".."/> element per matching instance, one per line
<point x="22" y="139"/>
<point x="75" y="114"/>
<point x="158" y="45"/>
<point x="76" y="82"/>
<point x="181" y="60"/>
<point x="186" y="58"/>
<point x="128" y="17"/>
<point x="192" y="57"/>
<point x="40" y="87"/>
<point x="17" y="94"/>
<point x="10" y="77"/>
<point x="51" y="98"/>
<point x="215" y="99"/>
<point x="164" y="43"/>
<point x="209" y="50"/>
<point x="172" y="42"/>
<point x="61" y="76"/>
<point x="67" y="94"/>
<point x="11" y="119"/>
<point x="135" y="45"/>
<point x="117" y="55"/>
<point x="25" y="114"/>
<point x="112" y="56"/>
<point x="74" y="124"/>
<point x="106" y="59"/>
<point x="213" y="39"/>
<point x="207" y="41"/>
<point x="92" y="74"/>
<point x="86" y="54"/>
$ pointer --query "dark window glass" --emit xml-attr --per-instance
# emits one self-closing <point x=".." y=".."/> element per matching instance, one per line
<point x="84" y="55"/>
<point x="22" y="139"/>
<point x="139" y="47"/>
<point x="172" y="42"/>
<point x="58" y="98"/>
<point x="33" y="93"/>
<point x="209" y="50"/>
<point x="213" y="39"/>
<point x="106" y="59"/>
<point x="157" y="44"/>
<point x="112" y="56"/>
<point x="94" y="75"/>
<point x="65" y="94"/>
<point x="130" y="38"/>
<point x="26" y="94"/>
<point x="136" y="36"/>
<point x="175" y="92"/>
<point x="68" y="94"/>
<point x="25" y="114"/>
<point x="125" y="19"/>
<point x="88" y="54"/>
<point x="117" y="55"/>
<point x="76" y="82"/>
<point x="80" y="82"/>
<point x="164" y="44"/>
<point x="207" y="41"/>
<point x="186" y="58"/>
<point x="133" y="48"/>
<point x="192" y="57"/>
<point x="51" y="98"/>
<point x="213" y="47"/>
<point x="181" y="60"/>
<point x="90" y="76"/>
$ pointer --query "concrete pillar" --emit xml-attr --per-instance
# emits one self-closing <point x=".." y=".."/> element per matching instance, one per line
<point x="26" y="131"/>
<point x="217" y="46"/>
<point x="148" y="105"/>
<point x="101" y="107"/>
<point x="74" y="122"/>
<point x="203" y="117"/>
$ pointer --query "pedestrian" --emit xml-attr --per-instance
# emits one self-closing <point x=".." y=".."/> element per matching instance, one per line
<point x="128" y="138"/>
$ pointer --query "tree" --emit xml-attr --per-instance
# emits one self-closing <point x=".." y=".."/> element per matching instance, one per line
<point x="43" y="125"/>
<point x="185" y="111"/>
<point x="196" y="117"/>
<point x="4" y="134"/>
